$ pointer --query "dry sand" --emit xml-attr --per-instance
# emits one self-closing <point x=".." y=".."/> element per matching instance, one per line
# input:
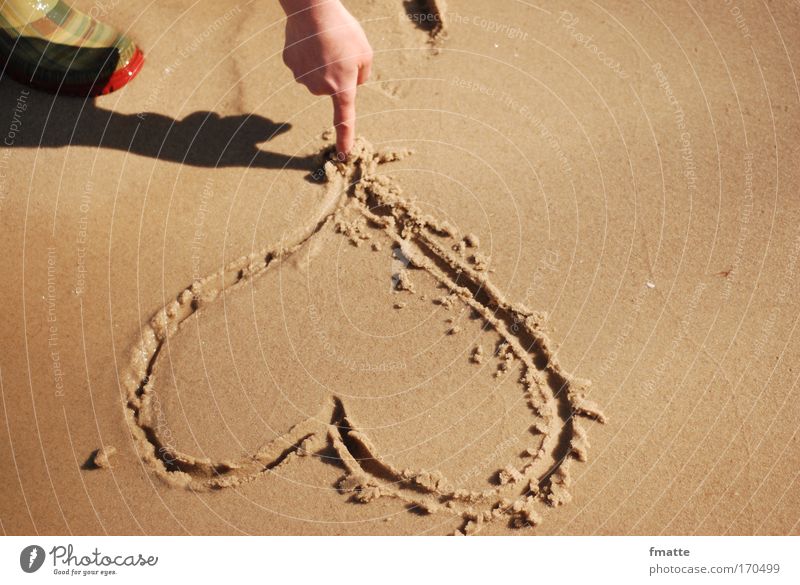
<point x="211" y="330"/>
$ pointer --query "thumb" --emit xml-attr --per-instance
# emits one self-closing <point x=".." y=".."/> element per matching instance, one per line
<point x="344" y="119"/>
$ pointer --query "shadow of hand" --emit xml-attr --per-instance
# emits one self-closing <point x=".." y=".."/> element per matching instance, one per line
<point x="202" y="139"/>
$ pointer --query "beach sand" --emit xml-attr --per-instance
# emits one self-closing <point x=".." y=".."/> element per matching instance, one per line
<point x="554" y="292"/>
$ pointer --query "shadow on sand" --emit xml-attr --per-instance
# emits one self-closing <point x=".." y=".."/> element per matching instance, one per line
<point x="201" y="139"/>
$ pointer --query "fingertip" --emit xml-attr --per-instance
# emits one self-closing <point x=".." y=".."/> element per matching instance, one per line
<point x="344" y="119"/>
<point x="344" y="143"/>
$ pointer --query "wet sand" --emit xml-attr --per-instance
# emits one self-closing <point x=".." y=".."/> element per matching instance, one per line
<point x="555" y="293"/>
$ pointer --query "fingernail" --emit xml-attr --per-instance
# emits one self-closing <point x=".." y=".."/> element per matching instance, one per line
<point x="341" y="156"/>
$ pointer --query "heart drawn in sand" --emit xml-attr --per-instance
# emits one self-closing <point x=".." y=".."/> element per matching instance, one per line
<point x="504" y="384"/>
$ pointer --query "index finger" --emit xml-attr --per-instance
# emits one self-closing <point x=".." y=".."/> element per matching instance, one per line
<point x="344" y="119"/>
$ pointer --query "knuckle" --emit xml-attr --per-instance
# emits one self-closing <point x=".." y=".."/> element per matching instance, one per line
<point x="331" y="82"/>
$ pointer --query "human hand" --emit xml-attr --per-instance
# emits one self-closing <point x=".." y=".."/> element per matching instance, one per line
<point x="328" y="52"/>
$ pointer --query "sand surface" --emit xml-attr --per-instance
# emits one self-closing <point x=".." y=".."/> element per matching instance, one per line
<point x="555" y="292"/>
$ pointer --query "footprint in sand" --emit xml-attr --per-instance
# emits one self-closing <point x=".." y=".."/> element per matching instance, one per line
<point x="417" y="377"/>
<point x="404" y="45"/>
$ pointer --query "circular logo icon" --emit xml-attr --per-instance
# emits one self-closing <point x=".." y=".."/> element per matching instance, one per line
<point x="31" y="558"/>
